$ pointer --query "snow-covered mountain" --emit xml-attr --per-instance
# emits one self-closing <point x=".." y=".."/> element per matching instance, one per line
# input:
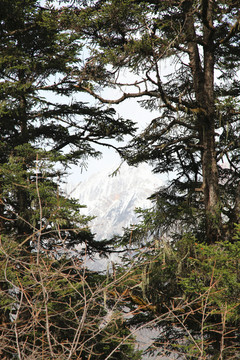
<point x="113" y="198"/>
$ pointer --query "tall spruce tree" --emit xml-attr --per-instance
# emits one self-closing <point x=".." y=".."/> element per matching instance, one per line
<point x="38" y="94"/>
<point x="184" y="60"/>
<point x="51" y="305"/>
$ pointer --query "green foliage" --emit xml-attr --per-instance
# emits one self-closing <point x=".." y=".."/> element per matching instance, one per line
<point x="188" y="291"/>
<point x="34" y="204"/>
<point x="39" y="63"/>
<point x="41" y="67"/>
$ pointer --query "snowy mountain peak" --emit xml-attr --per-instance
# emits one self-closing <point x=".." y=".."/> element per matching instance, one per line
<point x="113" y="198"/>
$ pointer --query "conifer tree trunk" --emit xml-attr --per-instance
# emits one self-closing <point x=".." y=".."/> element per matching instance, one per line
<point x="209" y="161"/>
<point x="210" y="183"/>
<point x="23" y="200"/>
<point x="203" y="79"/>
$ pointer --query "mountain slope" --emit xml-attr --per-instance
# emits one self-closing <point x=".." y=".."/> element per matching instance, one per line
<point x="112" y="199"/>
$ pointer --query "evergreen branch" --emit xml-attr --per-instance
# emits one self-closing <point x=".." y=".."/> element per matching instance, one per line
<point x="176" y="141"/>
<point x="206" y="4"/>
<point x="231" y="33"/>
<point x="21" y="31"/>
<point x="118" y="149"/>
<point x="122" y="98"/>
<point x="153" y="93"/>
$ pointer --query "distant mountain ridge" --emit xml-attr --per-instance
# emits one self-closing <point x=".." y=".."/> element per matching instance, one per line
<point x="113" y="198"/>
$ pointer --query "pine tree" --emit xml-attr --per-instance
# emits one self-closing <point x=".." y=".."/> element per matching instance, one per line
<point x="38" y="94"/>
<point x="196" y="97"/>
<point x="183" y="292"/>
<point x="51" y="304"/>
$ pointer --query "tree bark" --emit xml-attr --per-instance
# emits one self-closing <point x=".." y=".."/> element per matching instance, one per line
<point x="203" y="82"/>
<point x="210" y="184"/>
<point x="209" y="159"/>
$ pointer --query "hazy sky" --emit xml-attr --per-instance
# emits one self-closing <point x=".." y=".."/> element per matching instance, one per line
<point x="129" y="109"/>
